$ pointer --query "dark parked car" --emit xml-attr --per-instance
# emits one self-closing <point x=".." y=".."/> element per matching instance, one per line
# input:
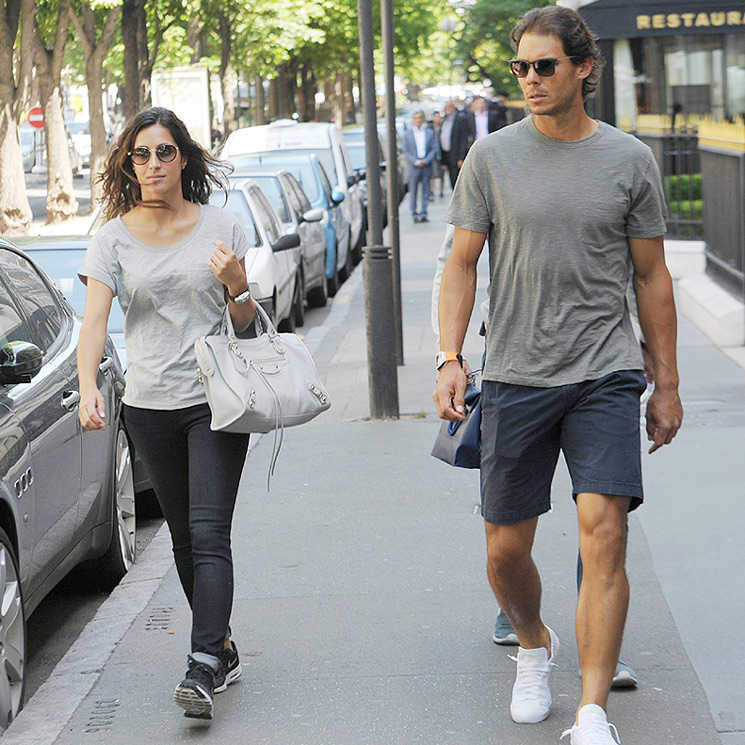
<point x="61" y="257"/>
<point x="66" y="493"/>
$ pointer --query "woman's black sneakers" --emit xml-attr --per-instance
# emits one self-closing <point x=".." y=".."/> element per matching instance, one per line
<point x="194" y="693"/>
<point x="230" y="668"/>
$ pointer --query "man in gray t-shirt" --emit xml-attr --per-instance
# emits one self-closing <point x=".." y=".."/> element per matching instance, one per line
<point x="570" y="206"/>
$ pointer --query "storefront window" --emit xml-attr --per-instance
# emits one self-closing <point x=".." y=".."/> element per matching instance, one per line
<point x="735" y="74"/>
<point x="693" y="75"/>
<point x="624" y="84"/>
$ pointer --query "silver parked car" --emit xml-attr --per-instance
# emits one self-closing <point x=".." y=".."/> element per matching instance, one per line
<point x="273" y="259"/>
<point x="297" y="216"/>
<point x="66" y="493"/>
<point x="322" y="139"/>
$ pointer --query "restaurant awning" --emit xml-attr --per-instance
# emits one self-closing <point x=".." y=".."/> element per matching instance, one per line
<point x="627" y="19"/>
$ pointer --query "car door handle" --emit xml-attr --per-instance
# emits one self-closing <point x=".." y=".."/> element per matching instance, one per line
<point x="70" y="399"/>
<point x="106" y="363"/>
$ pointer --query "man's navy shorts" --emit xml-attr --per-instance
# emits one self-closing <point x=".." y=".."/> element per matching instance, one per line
<point x="594" y="423"/>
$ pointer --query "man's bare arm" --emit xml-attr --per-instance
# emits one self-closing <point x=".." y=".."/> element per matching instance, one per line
<point x="457" y="296"/>
<point x="657" y="318"/>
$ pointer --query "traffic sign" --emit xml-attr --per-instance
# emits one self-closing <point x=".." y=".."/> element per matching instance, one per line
<point x="36" y="117"/>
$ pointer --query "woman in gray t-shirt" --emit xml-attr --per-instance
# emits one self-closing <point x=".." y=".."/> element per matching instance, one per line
<point x="174" y="262"/>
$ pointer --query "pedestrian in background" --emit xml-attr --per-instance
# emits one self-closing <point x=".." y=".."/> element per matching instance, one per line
<point x="447" y="154"/>
<point x="438" y="172"/>
<point x="174" y="262"/>
<point x="569" y="206"/>
<point x="420" y="148"/>
<point x="479" y="121"/>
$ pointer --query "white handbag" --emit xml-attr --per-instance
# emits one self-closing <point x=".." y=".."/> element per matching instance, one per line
<point x="259" y="384"/>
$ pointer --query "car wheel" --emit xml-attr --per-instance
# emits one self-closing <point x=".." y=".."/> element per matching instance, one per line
<point x="298" y="301"/>
<point x="357" y="252"/>
<point x="12" y="635"/>
<point x="346" y="270"/>
<point x="333" y="283"/>
<point x="120" y="556"/>
<point x="319" y="296"/>
<point x="287" y="325"/>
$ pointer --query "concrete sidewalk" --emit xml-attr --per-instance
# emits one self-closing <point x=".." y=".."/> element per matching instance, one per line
<point x="362" y="611"/>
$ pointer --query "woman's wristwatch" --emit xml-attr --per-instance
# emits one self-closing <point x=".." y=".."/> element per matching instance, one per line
<point x="244" y="297"/>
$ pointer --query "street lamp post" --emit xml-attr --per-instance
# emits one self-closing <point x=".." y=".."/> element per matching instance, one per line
<point x="382" y="372"/>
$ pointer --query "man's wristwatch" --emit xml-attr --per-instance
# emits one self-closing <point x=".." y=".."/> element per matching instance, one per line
<point x="244" y="297"/>
<point x="444" y="357"/>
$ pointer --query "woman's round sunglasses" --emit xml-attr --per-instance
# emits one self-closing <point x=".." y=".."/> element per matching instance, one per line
<point x="165" y="152"/>
<point x="545" y="67"/>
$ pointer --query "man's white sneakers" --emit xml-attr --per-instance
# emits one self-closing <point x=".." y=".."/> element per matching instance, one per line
<point x="531" y="696"/>
<point x="592" y="728"/>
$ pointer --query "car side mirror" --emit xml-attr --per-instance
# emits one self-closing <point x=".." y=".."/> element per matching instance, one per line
<point x="314" y="215"/>
<point x="291" y="240"/>
<point x="337" y="196"/>
<point x="19" y="362"/>
<point x="352" y="179"/>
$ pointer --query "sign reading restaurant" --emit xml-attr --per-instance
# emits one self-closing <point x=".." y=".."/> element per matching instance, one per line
<point x="703" y="19"/>
<point x="625" y="19"/>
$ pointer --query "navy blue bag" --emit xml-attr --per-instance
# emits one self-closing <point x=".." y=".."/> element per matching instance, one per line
<point x="459" y="443"/>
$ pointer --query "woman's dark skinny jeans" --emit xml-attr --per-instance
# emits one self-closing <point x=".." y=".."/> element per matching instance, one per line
<point x="195" y="474"/>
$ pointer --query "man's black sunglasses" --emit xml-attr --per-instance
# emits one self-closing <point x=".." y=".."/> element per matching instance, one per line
<point x="545" y="67"/>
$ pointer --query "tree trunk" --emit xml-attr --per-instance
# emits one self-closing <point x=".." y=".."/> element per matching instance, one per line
<point x="131" y="65"/>
<point x="15" y="211"/>
<point x="307" y="94"/>
<point x="61" y="202"/>
<point x="227" y="74"/>
<point x="144" y="59"/>
<point x="260" y="102"/>
<point x="338" y="103"/>
<point x="273" y="99"/>
<point x="95" y="52"/>
<point x="196" y="38"/>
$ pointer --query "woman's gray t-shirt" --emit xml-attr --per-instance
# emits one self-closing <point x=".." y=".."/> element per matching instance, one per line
<point x="558" y="216"/>
<point x="169" y="297"/>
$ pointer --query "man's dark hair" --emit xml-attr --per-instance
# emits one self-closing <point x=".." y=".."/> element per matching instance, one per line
<point x="578" y="41"/>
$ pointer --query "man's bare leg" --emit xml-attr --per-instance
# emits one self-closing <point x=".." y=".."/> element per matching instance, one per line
<point x="515" y="581"/>
<point x="604" y="593"/>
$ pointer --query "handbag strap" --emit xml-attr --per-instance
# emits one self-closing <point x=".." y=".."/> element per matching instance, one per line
<point x="262" y="325"/>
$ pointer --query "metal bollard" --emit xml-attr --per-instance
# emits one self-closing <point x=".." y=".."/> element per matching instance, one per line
<point x="382" y="372"/>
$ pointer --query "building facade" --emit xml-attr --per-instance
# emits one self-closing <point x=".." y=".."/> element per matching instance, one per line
<point x="679" y="58"/>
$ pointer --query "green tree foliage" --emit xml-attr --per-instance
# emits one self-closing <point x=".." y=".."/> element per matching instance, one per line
<point x="484" y="41"/>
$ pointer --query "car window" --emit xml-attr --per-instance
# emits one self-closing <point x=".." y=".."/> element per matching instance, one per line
<point x="12" y="326"/>
<point x="357" y="155"/>
<point x="237" y="204"/>
<point x="265" y="216"/>
<point x="325" y="181"/>
<point x="345" y="158"/>
<point x="300" y="168"/>
<point x="44" y="314"/>
<point x="324" y="155"/>
<point x="272" y="189"/>
<point x="301" y="200"/>
<point x="62" y="267"/>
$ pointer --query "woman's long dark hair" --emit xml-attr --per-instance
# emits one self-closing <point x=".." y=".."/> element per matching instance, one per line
<point x="202" y="173"/>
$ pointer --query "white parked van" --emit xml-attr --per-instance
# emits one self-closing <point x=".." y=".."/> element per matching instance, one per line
<point x="318" y="138"/>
